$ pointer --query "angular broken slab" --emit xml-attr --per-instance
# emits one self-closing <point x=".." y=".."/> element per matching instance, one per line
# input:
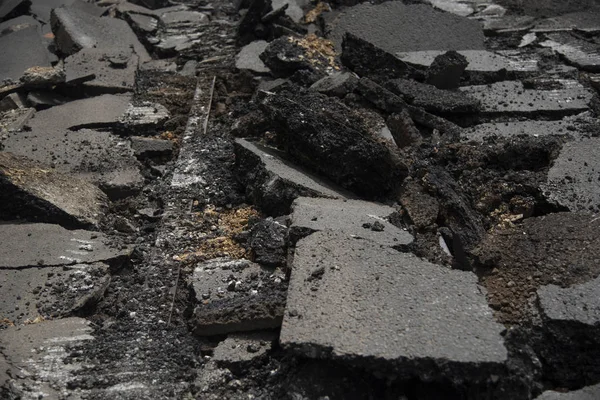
<point x="574" y="178"/>
<point x="355" y="218"/>
<point x="510" y="97"/>
<point x="145" y="118"/>
<point x="337" y="84"/>
<point x="354" y="300"/>
<point x="144" y="147"/>
<point x="15" y="120"/>
<point x="38" y="356"/>
<point x="248" y="57"/>
<point x="433" y="99"/>
<point x="75" y="29"/>
<point x="242" y="348"/>
<point x="578" y="303"/>
<point x="482" y="63"/>
<point x="587" y="393"/>
<point x="51" y="291"/>
<point x="34" y="245"/>
<point x="236" y="296"/>
<point x="113" y="70"/>
<point x="272" y="182"/>
<point x="582" y="54"/>
<point x="395" y="27"/>
<point x="509" y="129"/>
<point x="101" y="158"/>
<point x="42" y="8"/>
<point x="7" y="6"/>
<point x="36" y="192"/>
<point x="582" y="21"/>
<point x="14" y="59"/>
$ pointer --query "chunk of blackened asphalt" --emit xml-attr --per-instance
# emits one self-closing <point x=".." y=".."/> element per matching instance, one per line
<point x="432" y="99"/>
<point x="338" y="84"/>
<point x="272" y="182"/>
<point x="36" y="192"/>
<point x="422" y="208"/>
<point x="395" y="27"/>
<point x="403" y="129"/>
<point x="75" y="29"/>
<point x="144" y="147"/>
<point x="322" y="134"/>
<point x="355" y="218"/>
<point x="251" y="27"/>
<point x="446" y="70"/>
<point x="378" y="308"/>
<point x="368" y="60"/>
<point x="268" y="241"/>
<point x="235" y="296"/>
<point x="285" y="57"/>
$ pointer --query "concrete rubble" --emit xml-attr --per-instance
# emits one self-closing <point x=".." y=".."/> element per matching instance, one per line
<point x="284" y="199"/>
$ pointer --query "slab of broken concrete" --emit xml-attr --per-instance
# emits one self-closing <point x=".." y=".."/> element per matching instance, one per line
<point x="15" y="60"/>
<point x="354" y="300"/>
<point x="355" y="218"/>
<point x="36" y="192"/>
<point x="236" y="296"/>
<point x="272" y="182"/>
<point x="580" y="53"/>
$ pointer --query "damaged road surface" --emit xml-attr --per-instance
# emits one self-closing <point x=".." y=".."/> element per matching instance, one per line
<point x="286" y="199"/>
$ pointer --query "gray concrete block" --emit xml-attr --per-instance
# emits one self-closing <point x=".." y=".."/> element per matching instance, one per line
<point x="14" y="60"/>
<point x="578" y="303"/>
<point x="357" y="301"/>
<point x="510" y="97"/>
<point x="355" y="218"/>
<point x="36" y="192"/>
<point x="242" y="348"/>
<point x="574" y="178"/>
<point x="248" y="57"/>
<point x="582" y="54"/>
<point x="35" y="245"/>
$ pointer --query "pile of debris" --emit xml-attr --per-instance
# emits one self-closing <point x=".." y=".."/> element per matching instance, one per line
<point x="300" y="200"/>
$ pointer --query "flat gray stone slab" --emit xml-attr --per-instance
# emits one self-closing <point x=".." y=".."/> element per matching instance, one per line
<point x="273" y="182"/>
<point x="248" y="57"/>
<point x="585" y="21"/>
<point x="14" y="60"/>
<point x="50" y="291"/>
<point x="236" y="296"/>
<point x="35" y="245"/>
<point x="36" y="192"/>
<point x="518" y="128"/>
<point x="38" y="356"/>
<point x="578" y="303"/>
<point x="6" y="6"/>
<point x="42" y="8"/>
<point x="355" y="218"/>
<point x="75" y="29"/>
<point x="18" y="23"/>
<point x="114" y="70"/>
<point x="587" y="393"/>
<point x="395" y="27"/>
<point x="357" y="301"/>
<point x="574" y="178"/>
<point x="510" y="97"/>
<point x="480" y="61"/>
<point x="582" y="54"/>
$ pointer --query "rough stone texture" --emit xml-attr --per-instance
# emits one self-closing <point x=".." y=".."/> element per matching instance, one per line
<point x="14" y="60"/>
<point x="323" y="134"/>
<point x="15" y="120"/>
<point x="354" y="218"/>
<point x="482" y="64"/>
<point x="582" y="54"/>
<point x="510" y="97"/>
<point x="43" y="76"/>
<point x="403" y="129"/>
<point x="38" y="356"/>
<point x="579" y="303"/>
<point x="446" y="70"/>
<point x="12" y="102"/>
<point x="240" y="349"/>
<point x="272" y="183"/>
<point x="587" y="393"/>
<point x="145" y="119"/>
<point x="35" y="245"/>
<point x="235" y="296"/>
<point x="560" y="248"/>
<point x="268" y="241"/>
<point x="422" y="208"/>
<point x="357" y="301"/>
<point x="144" y="147"/>
<point x="248" y="57"/>
<point x="395" y="27"/>
<point x="36" y="192"/>
<point x="113" y="70"/>
<point x="338" y="84"/>
<point x="50" y="291"/>
<point x="75" y="29"/>
<point x="509" y="129"/>
<point x="433" y="99"/>
<point x="582" y="21"/>
<point x="574" y="178"/>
